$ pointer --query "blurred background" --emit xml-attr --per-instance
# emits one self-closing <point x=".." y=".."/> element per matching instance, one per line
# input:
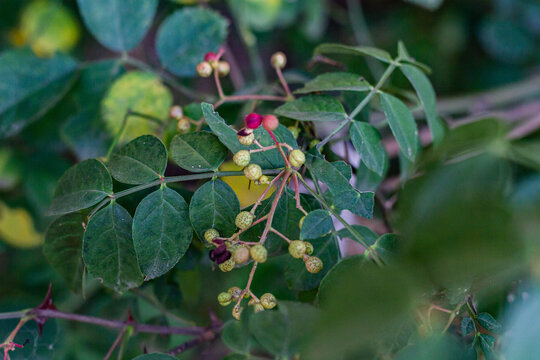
<point x="484" y="56"/>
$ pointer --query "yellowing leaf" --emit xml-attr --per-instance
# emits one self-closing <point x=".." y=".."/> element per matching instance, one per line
<point x="48" y="27"/>
<point x="17" y="228"/>
<point x="140" y="92"/>
<point x="240" y="184"/>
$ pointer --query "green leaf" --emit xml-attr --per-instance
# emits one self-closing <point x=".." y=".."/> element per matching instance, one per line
<point x="140" y="92"/>
<point x="186" y="36"/>
<point x="235" y="335"/>
<point x="317" y="223"/>
<point x="386" y="247"/>
<point x="161" y="231"/>
<point x="108" y="250"/>
<point x="402" y="125"/>
<point x="366" y="233"/>
<point x="155" y="356"/>
<point x="283" y="332"/>
<point x="486" y="344"/>
<point x="354" y="50"/>
<point x="405" y="58"/>
<point x="344" y="195"/>
<point x="140" y="161"/>
<point x="214" y="206"/>
<point x="30" y="86"/>
<point x="467" y="325"/>
<point x="227" y="135"/>
<point x="118" y="24"/>
<point x="425" y="92"/>
<point x="325" y="248"/>
<point x="198" y="151"/>
<point x="81" y="186"/>
<point x="313" y="108"/>
<point x="367" y="142"/>
<point x="488" y="322"/>
<point x="337" y="81"/>
<point x="63" y="248"/>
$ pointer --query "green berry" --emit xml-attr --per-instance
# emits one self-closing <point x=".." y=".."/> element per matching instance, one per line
<point x="264" y="180"/>
<point x="241" y="254"/>
<point x="314" y="143"/>
<point x="295" y="131"/>
<point x="223" y="68"/>
<point x="224" y="298"/>
<point x="313" y="264"/>
<point x="244" y="219"/>
<point x="278" y="60"/>
<point x="297" y="158"/>
<point x="204" y="69"/>
<point x="309" y="247"/>
<point x="235" y="291"/>
<point x="258" y="253"/>
<point x="297" y="249"/>
<point x="301" y="222"/>
<point x="242" y="158"/>
<point x="253" y="172"/>
<point x="183" y="125"/>
<point x="258" y="308"/>
<point x="237" y="312"/>
<point x="247" y="139"/>
<point x="210" y="235"/>
<point x="227" y="265"/>
<point x="268" y="301"/>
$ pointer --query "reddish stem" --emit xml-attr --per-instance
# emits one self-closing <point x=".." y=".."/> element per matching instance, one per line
<point x="297" y="194"/>
<point x="280" y="150"/>
<point x="263" y="195"/>
<point x="273" y="208"/>
<point x="280" y="235"/>
<point x="283" y="82"/>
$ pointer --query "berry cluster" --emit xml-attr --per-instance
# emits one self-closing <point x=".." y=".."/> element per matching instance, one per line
<point x="213" y="63"/>
<point x="184" y="123"/>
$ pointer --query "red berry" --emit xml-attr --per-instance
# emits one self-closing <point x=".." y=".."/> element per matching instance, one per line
<point x="253" y="120"/>
<point x="270" y="122"/>
<point x="210" y="56"/>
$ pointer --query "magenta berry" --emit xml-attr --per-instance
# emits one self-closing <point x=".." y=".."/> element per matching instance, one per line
<point x="270" y="122"/>
<point x="210" y="56"/>
<point x="253" y="120"/>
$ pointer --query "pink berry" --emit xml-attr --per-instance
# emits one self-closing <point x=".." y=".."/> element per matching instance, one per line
<point x="270" y="122"/>
<point x="253" y="120"/>
<point x="210" y="56"/>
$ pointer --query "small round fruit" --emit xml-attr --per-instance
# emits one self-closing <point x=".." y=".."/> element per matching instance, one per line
<point x="278" y="60"/>
<point x="223" y="68"/>
<point x="258" y="308"/>
<point x="314" y="143"/>
<point x="309" y="247"/>
<point x="301" y="222"/>
<point x="237" y="312"/>
<point x="253" y="120"/>
<point x="270" y="122"/>
<point x="297" y="158"/>
<point x="204" y="69"/>
<point x="258" y="253"/>
<point x="183" y="125"/>
<point x="176" y="112"/>
<point x="253" y="172"/>
<point x="247" y="139"/>
<point x="294" y="131"/>
<point x="210" y="235"/>
<point x="264" y="180"/>
<point x="241" y="254"/>
<point x="235" y="291"/>
<point x="297" y="249"/>
<point x="244" y="219"/>
<point x="227" y="265"/>
<point x="242" y="158"/>
<point x="268" y="300"/>
<point x="224" y="298"/>
<point x="210" y="56"/>
<point x="313" y="264"/>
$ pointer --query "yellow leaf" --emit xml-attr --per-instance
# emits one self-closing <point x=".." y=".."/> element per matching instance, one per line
<point x="240" y="184"/>
<point x="17" y="228"/>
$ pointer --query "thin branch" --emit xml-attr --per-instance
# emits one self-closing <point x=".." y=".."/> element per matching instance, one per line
<point x="115" y="343"/>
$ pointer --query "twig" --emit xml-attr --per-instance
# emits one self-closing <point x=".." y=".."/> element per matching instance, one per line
<point x="115" y="343"/>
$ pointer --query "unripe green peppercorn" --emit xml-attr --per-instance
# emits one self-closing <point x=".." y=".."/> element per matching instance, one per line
<point x="313" y="264"/>
<point x="246" y="139"/>
<point x="237" y="312"/>
<point x="297" y="158"/>
<point x="297" y="249"/>
<point x="258" y="253"/>
<point x="244" y="219"/>
<point x="227" y="265"/>
<point x="235" y="291"/>
<point x="268" y="300"/>
<point x="241" y="254"/>
<point x="314" y="143"/>
<point x="223" y="68"/>
<point x="210" y="235"/>
<point x="294" y="131"/>
<point x="183" y="125"/>
<point x="278" y="60"/>
<point x="309" y="247"/>
<point x="253" y="172"/>
<point x="204" y="69"/>
<point x="264" y="180"/>
<point x="242" y="158"/>
<point x="224" y="298"/>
